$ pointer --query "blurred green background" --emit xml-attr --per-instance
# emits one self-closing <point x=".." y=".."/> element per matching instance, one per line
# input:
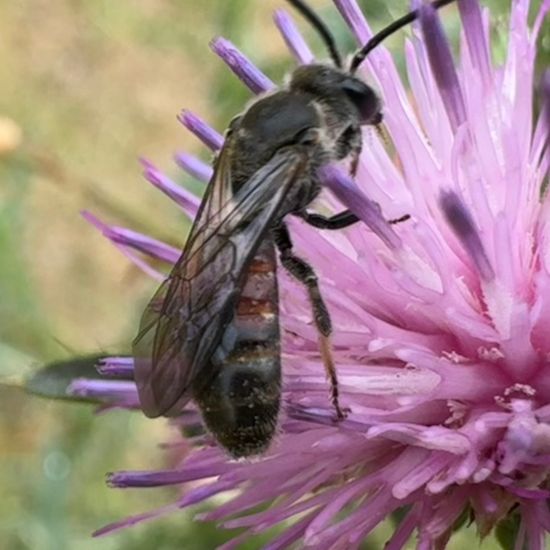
<point x="87" y="86"/>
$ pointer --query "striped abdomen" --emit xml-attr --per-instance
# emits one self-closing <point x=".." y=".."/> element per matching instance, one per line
<point x="241" y="404"/>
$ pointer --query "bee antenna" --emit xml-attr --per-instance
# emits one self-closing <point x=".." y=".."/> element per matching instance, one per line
<point x="362" y="53"/>
<point x="319" y="25"/>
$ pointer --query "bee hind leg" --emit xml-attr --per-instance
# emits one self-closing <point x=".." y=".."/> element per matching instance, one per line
<point x="305" y="274"/>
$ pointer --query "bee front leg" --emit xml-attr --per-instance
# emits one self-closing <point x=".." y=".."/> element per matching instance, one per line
<point x="354" y="164"/>
<point x="338" y="221"/>
<point x="304" y="273"/>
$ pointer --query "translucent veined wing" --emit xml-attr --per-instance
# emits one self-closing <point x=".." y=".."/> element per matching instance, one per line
<point x="184" y="322"/>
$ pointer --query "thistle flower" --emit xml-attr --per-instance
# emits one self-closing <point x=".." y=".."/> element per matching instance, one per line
<point x="442" y="337"/>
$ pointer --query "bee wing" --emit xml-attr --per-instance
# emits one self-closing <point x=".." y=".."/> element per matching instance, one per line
<point x="184" y="322"/>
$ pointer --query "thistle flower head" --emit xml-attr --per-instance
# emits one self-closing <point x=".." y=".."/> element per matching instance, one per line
<point x="441" y="324"/>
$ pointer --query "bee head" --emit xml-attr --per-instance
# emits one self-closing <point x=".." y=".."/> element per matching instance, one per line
<point x="331" y="83"/>
<point x="324" y="81"/>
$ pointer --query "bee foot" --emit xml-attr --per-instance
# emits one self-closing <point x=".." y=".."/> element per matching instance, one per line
<point x="341" y="414"/>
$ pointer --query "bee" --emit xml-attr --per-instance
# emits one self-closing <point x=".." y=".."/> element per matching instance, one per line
<point x="211" y="332"/>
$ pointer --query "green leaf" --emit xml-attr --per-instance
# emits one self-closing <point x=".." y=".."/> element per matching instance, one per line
<point x="507" y="531"/>
<point x="53" y="380"/>
<point x="15" y="365"/>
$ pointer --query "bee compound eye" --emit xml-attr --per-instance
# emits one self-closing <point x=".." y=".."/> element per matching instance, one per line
<point x="365" y="100"/>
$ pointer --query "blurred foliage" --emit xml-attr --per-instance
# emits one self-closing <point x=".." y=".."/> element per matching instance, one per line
<point x="53" y="380"/>
<point x="87" y="86"/>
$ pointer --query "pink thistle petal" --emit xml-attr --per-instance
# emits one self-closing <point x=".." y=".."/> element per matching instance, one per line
<point x="423" y="467"/>
<point x="349" y="531"/>
<point x="434" y="438"/>
<point x="463" y="226"/>
<point x="442" y="65"/>
<point x="290" y="535"/>
<point x="470" y="13"/>
<point x="404" y="531"/>
<point x="446" y="512"/>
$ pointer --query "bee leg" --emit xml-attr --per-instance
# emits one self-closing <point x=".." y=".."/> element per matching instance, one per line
<point x="383" y="134"/>
<point x="354" y="161"/>
<point x="304" y="273"/>
<point x="403" y="218"/>
<point x="340" y="220"/>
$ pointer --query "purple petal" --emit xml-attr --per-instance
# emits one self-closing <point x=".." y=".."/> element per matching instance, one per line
<point x="130" y="254"/>
<point x="124" y="393"/>
<point x="442" y="65"/>
<point x="290" y="534"/>
<point x="117" y="367"/>
<point x="137" y="241"/>
<point x="463" y="226"/>
<point x="201" y="493"/>
<point x="291" y="35"/>
<point x="133" y="520"/>
<point x="196" y="125"/>
<point x="347" y="191"/>
<point x="404" y="530"/>
<point x="123" y="480"/>
<point x="354" y="18"/>
<point x="194" y="166"/>
<point x="241" y="66"/>
<point x="433" y="438"/>
<point x="188" y="201"/>
<point x="545" y="102"/>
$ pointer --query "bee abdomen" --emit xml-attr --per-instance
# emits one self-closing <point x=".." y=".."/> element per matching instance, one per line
<point x="240" y="405"/>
